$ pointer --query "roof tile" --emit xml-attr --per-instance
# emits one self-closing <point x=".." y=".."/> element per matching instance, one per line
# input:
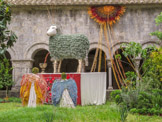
<point x="81" y="2"/>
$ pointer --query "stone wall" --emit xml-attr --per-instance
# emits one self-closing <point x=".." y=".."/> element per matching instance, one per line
<point x="31" y="23"/>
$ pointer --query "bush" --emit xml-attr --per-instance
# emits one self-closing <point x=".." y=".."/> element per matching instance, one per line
<point x="133" y="110"/>
<point x="1" y="100"/>
<point x="123" y="111"/>
<point x="5" y="76"/>
<point x="144" y="100"/>
<point x="156" y="98"/>
<point x="14" y="99"/>
<point x="118" y="99"/>
<point x="116" y="96"/>
<point x="130" y="98"/>
<point x="35" y="70"/>
<point x="151" y="111"/>
<point x="11" y="99"/>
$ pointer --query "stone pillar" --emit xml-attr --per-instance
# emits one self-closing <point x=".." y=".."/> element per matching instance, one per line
<point x="110" y="87"/>
<point x="55" y="68"/>
<point x="86" y="60"/>
<point x="20" y="67"/>
<point x="85" y="63"/>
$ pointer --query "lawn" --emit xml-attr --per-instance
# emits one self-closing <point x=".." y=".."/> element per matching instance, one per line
<point x="14" y="112"/>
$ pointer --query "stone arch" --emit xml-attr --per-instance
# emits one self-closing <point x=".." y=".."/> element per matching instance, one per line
<point x="103" y="48"/>
<point x="12" y="53"/>
<point x="147" y="43"/>
<point x="39" y="57"/>
<point x="116" y="46"/>
<point x="32" y="50"/>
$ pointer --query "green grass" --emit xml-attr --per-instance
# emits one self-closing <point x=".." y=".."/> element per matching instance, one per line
<point x="14" y="112"/>
<point x="140" y="118"/>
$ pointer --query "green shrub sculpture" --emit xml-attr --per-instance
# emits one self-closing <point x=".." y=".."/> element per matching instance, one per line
<point x="35" y="70"/>
<point x="68" y="46"/>
<point x="63" y="76"/>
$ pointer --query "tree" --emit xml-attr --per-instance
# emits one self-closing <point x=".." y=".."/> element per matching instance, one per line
<point x="5" y="76"/>
<point x="158" y="20"/>
<point x="7" y="37"/>
<point x="134" y="51"/>
<point x="153" y="69"/>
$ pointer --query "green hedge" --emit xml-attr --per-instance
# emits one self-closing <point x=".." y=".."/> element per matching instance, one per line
<point x="11" y="99"/>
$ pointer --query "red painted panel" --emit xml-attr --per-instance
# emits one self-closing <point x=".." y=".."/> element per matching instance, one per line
<point x="51" y="77"/>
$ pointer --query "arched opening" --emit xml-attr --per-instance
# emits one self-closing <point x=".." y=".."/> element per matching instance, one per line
<point x="91" y="56"/>
<point x="124" y="67"/>
<point x="104" y="67"/>
<point x="8" y="56"/>
<point x="39" y="57"/>
<point x="69" y="65"/>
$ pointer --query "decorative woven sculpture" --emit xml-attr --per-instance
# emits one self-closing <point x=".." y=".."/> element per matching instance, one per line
<point x="67" y="47"/>
<point x="106" y="17"/>
<point x="64" y="92"/>
<point x="39" y="87"/>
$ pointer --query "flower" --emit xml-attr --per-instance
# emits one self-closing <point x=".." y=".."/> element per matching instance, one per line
<point x="47" y="79"/>
<point x="48" y="88"/>
<point x="50" y="94"/>
<point x="47" y="100"/>
<point x="51" y="81"/>
<point x="68" y="77"/>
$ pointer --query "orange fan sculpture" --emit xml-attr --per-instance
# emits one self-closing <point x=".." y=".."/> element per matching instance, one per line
<point x="106" y="14"/>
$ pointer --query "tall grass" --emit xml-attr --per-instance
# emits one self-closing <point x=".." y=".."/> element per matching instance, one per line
<point x="14" y="112"/>
<point x="102" y="113"/>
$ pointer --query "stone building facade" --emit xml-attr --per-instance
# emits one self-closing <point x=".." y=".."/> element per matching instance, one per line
<point x="31" y="19"/>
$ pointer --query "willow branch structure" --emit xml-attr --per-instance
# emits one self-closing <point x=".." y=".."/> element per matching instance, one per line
<point x="107" y="16"/>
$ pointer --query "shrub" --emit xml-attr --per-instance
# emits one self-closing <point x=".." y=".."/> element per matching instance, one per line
<point x="116" y="96"/>
<point x="5" y="76"/>
<point x="123" y="111"/>
<point x="144" y="100"/>
<point x="1" y="100"/>
<point x="35" y="70"/>
<point x="133" y="110"/>
<point x="14" y="99"/>
<point x="63" y="76"/>
<point x="156" y="98"/>
<point x="130" y="98"/>
<point x="118" y="99"/>
<point x="152" y="110"/>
